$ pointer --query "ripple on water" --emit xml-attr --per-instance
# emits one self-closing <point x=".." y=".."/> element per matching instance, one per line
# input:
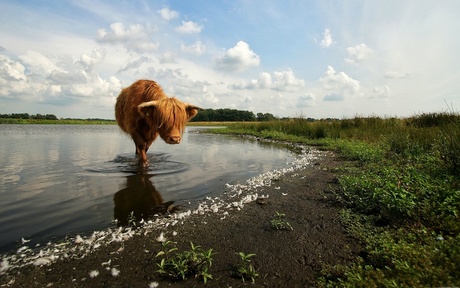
<point x="126" y="164"/>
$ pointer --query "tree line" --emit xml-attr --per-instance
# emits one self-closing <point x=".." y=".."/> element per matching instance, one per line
<point x="27" y="116"/>
<point x="207" y="115"/>
<point x="229" y="115"/>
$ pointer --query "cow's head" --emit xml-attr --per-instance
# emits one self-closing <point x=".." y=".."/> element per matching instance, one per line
<point x="168" y="116"/>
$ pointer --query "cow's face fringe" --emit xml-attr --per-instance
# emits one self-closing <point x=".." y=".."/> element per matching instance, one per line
<point x="169" y="115"/>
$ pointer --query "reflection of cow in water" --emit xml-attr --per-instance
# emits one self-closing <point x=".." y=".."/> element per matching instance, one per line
<point x="144" y="111"/>
<point x="139" y="200"/>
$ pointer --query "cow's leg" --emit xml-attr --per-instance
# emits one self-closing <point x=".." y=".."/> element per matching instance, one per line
<point x="147" y="146"/>
<point x="143" y="161"/>
<point x="141" y="150"/>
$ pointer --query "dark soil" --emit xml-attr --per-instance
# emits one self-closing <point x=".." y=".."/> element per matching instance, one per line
<point x="284" y="258"/>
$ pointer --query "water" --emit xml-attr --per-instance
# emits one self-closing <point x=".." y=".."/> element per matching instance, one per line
<point x="57" y="180"/>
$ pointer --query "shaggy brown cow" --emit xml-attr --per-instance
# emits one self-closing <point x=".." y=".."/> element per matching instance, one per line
<point x="144" y="111"/>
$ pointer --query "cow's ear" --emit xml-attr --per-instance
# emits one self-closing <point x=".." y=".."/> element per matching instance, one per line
<point x="146" y="108"/>
<point x="192" y="111"/>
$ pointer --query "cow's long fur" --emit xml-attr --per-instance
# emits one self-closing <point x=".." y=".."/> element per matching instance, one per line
<point x="144" y="111"/>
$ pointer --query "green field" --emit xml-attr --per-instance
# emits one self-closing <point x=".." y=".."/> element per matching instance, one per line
<point x="401" y="191"/>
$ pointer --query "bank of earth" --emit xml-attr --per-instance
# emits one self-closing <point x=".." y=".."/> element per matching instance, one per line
<point x="284" y="258"/>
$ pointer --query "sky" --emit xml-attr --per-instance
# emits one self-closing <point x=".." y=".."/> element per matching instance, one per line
<point x="318" y="59"/>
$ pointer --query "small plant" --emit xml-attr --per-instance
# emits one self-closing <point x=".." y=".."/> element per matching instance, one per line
<point x="279" y="223"/>
<point x="246" y="269"/>
<point x="181" y="265"/>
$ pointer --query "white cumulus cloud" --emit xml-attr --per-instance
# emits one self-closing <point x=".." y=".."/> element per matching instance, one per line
<point x="287" y="81"/>
<point x="280" y="81"/>
<point x="358" y="53"/>
<point x="63" y="80"/>
<point x="238" y="58"/>
<point x="189" y="27"/>
<point x="197" y="48"/>
<point x="11" y="70"/>
<point x="327" y="40"/>
<point x="340" y="84"/>
<point x="168" y="14"/>
<point x="135" y="37"/>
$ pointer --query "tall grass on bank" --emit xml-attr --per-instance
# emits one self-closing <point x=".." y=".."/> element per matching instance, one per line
<point x="435" y="133"/>
<point x="402" y="195"/>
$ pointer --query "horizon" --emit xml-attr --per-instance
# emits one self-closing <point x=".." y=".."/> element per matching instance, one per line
<point x="317" y="59"/>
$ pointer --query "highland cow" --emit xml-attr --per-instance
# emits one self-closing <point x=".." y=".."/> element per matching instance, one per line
<point x="144" y="111"/>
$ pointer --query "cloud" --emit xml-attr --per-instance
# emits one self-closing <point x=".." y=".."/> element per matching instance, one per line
<point x="334" y="97"/>
<point x="57" y="77"/>
<point x="89" y="61"/>
<point x="12" y="78"/>
<point x="197" y="48"/>
<point x="381" y="92"/>
<point x="168" y="14"/>
<point x="38" y="64"/>
<point x="265" y="80"/>
<point x="176" y="82"/>
<point x="135" y="37"/>
<point x="327" y="40"/>
<point x="238" y="58"/>
<point x="246" y="103"/>
<point x="340" y="83"/>
<point x="396" y="75"/>
<point x="308" y="100"/>
<point x="167" y="57"/>
<point x="189" y="27"/>
<point x="136" y="63"/>
<point x="287" y="81"/>
<point x="11" y="70"/>
<point x="281" y="81"/>
<point x="358" y="53"/>
<point x="38" y="78"/>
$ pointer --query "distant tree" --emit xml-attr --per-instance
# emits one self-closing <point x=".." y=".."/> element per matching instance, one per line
<point x="20" y="116"/>
<point x="38" y="116"/>
<point x="50" y="117"/>
<point x="265" y="117"/>
<point x="221" y="115"/>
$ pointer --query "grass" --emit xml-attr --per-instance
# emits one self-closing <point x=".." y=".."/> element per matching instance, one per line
<point x="176" y="265"/>
<point x="196" y="262"/>
<point x="401" y="194"/>
<point x="245" y="270"/>
<point x="279" y="223"/>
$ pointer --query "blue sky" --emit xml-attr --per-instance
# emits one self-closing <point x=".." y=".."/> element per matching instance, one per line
<point x="290" y="58"/>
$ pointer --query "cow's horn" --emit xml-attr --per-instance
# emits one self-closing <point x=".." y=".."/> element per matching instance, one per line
<point x="146" y="104"/>
<point x="190" y="106"/>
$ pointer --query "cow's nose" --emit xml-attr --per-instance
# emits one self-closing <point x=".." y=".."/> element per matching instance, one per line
<point x="175" y="139"/>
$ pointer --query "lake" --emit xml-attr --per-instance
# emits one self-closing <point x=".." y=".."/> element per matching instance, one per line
<point x="58" y="180"/>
